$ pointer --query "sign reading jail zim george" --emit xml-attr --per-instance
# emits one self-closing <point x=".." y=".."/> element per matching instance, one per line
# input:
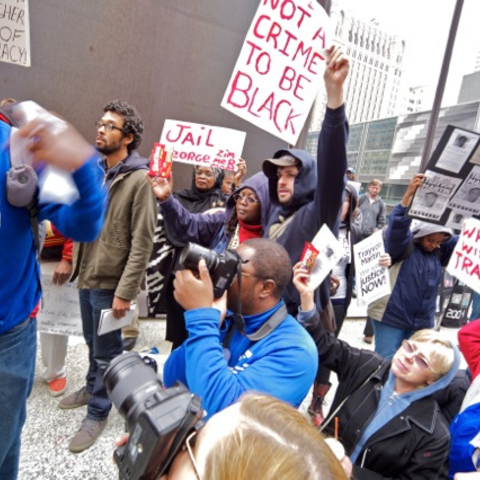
<point x="202" y="144"/>
<point x="465" y="260"/>
<point x="15" y="32"/>
<point x="280" y="67"/>
<point x="60" y="309"/>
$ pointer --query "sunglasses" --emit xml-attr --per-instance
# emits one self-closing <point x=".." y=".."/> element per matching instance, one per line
<point x="245" y="199"/>
<point x="189" y="444"/>
<point x="410" y="348"/>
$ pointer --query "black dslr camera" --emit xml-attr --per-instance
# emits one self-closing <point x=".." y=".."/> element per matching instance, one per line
<point x="222" y="266"/>
<point x="159" y="420"/>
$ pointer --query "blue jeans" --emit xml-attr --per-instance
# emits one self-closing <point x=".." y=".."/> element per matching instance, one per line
<point x="101" y="349"/>
<point x="18" y="348"/>
<point x="388" y="339"/>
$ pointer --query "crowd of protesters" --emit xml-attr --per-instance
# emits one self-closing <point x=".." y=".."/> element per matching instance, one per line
<point x="253" y="351"/>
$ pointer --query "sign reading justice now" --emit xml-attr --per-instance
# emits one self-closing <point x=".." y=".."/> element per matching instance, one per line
<point x="279" y="69"/>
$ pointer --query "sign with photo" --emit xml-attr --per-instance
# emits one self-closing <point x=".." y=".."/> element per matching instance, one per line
<point x="451" y="190"/>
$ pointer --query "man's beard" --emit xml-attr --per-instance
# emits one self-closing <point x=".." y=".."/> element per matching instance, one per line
<point x="108" y="149"/>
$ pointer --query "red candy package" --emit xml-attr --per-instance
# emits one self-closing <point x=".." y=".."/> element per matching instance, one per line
<point x="309" y="255"/>
<point x="160" y="162"/>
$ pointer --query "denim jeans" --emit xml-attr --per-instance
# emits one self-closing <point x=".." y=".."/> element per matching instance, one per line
<point x="388" y="339"/>
<point x="18" y="348"/>
<point x="101" y="349"/>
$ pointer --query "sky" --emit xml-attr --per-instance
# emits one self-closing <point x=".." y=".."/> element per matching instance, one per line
<point x="425" y="25"/>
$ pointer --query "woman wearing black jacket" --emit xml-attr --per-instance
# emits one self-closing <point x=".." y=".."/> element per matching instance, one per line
<point x="388" y="421"/>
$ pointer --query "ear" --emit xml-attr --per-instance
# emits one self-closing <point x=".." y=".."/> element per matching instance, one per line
<point x="268" y="288"/>
<point x="127" y="139"/>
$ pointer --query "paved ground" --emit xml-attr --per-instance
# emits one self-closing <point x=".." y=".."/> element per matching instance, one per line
<point x="48" y="429"/>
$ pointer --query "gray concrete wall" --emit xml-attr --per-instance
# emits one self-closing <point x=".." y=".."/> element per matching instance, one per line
<point x="169" y="58"/>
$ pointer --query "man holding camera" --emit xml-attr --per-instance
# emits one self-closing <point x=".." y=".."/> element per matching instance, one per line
<point x="259" y="347"/>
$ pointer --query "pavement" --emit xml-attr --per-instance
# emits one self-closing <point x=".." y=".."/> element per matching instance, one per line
<point x="47" y="431"/>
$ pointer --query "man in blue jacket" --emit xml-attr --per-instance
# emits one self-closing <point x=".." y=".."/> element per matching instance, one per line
<point x="219" y="361"/>
<point x="20" y="274"/>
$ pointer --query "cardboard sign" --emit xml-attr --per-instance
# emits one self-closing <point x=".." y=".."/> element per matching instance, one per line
<point x="198" y="144"/>
<point x="280" y="67"/>
<point x="373" y="281"/>
<point x="465" y="260"/>
<point x="60" y="312"/>
<point x="15" y="32"/>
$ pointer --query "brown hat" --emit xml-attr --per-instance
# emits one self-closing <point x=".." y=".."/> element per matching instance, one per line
<point x="270" y="165"/>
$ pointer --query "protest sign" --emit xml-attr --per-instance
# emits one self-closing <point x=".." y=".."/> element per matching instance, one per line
<point x="280" y="67"/>
<point x="15" y="32"/>
<point x="433" y="197"/>
<point x="60" y="312"/>
<point x="373" y="281"/>
<point x="451" y="189"/>
<point x="330" y="250"/>
<point x="465" y="260"/>
<point x="198" y="144"/>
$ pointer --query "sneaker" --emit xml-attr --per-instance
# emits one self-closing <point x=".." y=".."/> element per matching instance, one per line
<point x="57" y="387"/>
<point x="86" y="436"/>
<point x="75" y="400"/>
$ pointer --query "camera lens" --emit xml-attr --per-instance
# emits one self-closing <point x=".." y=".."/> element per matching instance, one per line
<point x="193" y="253"/>
<point x="130" y="383"/>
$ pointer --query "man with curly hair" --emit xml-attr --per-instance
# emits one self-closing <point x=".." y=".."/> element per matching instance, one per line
<point x="110" y="270"/>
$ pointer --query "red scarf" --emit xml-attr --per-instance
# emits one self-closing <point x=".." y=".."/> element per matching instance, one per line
<point x="247" y="231"/>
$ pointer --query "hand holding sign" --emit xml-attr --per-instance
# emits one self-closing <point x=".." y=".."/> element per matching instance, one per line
<point x="162" y="187"/>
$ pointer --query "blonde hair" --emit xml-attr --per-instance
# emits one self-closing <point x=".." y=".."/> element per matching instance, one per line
<point x="443" y="356"/>
<point x="272" y="441"/>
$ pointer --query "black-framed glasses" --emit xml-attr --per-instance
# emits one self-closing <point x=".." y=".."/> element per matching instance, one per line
<point x="189" y="448"/>
<point x="419" y="359"/>
<point x="249" y="199"/>
<point x="108" y="127"/>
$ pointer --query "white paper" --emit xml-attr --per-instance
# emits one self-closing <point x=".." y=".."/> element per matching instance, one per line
<point x="330" y="252"/>
<point x="373" y="281"/>
<point x="465" y="260"/>
<point x="60" y="309"/>
<point x="57" y="186"/>
<point x="108" y="323"/>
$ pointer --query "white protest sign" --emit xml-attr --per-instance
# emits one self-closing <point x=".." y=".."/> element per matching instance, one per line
<point x="330" y="251"/>
<point x="15" y="32"/>
<point x="372" y="280"/>
<point x="280" y="67"/>
<point x="202" y="144"/>
<point x="60" y="312"/>
<point x="465" y="260"/>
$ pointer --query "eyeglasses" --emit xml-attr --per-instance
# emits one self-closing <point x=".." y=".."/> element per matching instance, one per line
<point x="419" y="360"/>
<point x="245" y="199"/>
<point x="206" y="174"/>
<point x="190" y="453"/>
<point x="108" y="127"/>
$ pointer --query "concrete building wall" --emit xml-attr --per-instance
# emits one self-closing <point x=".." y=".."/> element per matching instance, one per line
<point x="171" y="59"/>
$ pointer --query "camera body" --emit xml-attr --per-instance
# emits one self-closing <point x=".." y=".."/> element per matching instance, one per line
<point x="158" y="419"/>
<point x="221" y="266"/>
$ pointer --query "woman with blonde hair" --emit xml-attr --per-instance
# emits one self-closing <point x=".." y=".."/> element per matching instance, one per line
<point x="259" y="437"/>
